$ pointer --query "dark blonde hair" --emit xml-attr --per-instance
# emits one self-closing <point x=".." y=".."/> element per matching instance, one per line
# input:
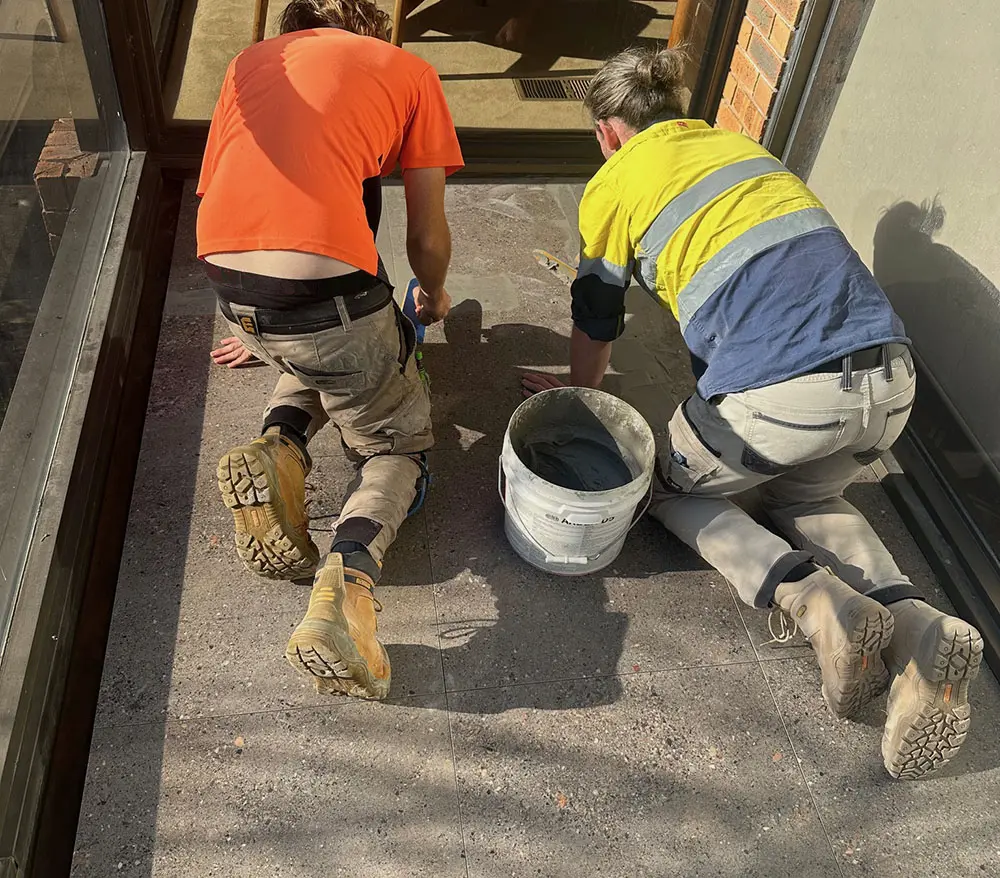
<point x="361" y="17"/>
<point x="640" y="86"/>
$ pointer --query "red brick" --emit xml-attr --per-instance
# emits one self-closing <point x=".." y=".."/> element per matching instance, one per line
<point x="746" y="31"/>
<point x="765" y="58"/>
<point x="84" y="165"/>
<point x="781" y="37"/>
<point x="761" y="14"/>
<point x="743" y="70"/>
<point x="730" y="88"/>
<point x="790" y="10"/>
<point x="55" y="192"/>
<point x="763" y="96"/>
<point x="753" y="122"/>
<point x="726" y="119"/>
<point x="740" y="101"/>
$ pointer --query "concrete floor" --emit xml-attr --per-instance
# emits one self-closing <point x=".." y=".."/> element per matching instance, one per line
<point x="630" y="723"/>
<point x="456" y="36"/>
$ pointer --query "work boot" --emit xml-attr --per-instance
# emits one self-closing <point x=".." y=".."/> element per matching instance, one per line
<point x="263" y="483"/>
<point x="935" y="657"/>
<point x="848" y="632"/>
<point x="336" y="641"/>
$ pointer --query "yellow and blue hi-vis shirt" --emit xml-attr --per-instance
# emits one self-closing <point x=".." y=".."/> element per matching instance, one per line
<point x="763" y="283"/>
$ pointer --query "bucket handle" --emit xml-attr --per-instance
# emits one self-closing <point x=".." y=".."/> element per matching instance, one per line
<point x="562" y="559"/>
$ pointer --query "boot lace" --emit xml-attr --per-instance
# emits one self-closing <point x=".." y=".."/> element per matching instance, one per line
<point x="783" y="628"/>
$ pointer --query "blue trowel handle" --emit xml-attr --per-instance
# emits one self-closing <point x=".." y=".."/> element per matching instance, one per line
<point x="410" y="310"/>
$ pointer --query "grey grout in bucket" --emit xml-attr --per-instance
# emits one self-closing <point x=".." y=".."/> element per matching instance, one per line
<point x="558" y="529"/>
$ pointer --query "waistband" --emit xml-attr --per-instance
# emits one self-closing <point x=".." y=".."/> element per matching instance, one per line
<point x="868" y="358"/>
<point x="244" y="288"/>
<point x="308" y="318"/>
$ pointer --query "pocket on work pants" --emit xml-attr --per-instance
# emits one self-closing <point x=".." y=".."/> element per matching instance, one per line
<point x="775" y="442"/>
<point x="339" y="362"/>
<point x="687" y="462"/>
<point x="892" y="416"/>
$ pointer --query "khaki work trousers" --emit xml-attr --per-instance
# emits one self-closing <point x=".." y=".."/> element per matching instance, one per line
<point x="800" y="443"/>
<point x="364" y="379"/>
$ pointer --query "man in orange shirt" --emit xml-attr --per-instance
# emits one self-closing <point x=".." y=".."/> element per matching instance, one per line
<point x="306" y="125"/>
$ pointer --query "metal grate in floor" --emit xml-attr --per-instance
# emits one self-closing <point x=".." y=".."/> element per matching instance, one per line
<point x="552" y="88"/>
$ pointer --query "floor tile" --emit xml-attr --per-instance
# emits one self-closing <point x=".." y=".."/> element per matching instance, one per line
<point x="502" y="621"/>
<point x="207" y="666"/>
<point x="946" y="825"/>
<point x="354" y="790"/>
<point x="681" y="773"/>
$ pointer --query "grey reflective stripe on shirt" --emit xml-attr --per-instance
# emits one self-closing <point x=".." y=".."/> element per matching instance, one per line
<point x="616" y="275"/>
<point x="724" y="264"/>
<point x="697" y="197"/>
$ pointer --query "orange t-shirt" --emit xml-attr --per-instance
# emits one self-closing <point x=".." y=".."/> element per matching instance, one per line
<point x="302" y="121"/>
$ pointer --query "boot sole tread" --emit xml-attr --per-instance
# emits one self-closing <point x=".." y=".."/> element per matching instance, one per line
<point x="860" y="681"/>
<point x="929" y="716"/>
<point x="325" y="652"/>
<point x="262" y="542"/>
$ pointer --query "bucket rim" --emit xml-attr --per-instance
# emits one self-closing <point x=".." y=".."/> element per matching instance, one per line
<point x="646" y="476"/>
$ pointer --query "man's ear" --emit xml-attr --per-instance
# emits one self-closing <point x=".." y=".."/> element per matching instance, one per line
<point x="608" y="136"/>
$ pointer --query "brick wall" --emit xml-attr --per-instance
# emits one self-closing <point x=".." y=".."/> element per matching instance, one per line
<point x="60" y="168"/>
<point x="761" y="54"/>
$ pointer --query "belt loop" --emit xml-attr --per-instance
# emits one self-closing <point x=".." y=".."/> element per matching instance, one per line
<point x="345" y="317"/>
<point x="847" y="375"/>
<point x="887" y="362"/>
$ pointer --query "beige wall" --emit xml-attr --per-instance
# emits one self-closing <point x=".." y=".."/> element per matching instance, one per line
<point x="909" y="167"/>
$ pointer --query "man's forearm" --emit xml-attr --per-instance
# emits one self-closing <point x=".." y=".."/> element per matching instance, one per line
<point x="588" y="360"/>
<point x="429" y="260"/>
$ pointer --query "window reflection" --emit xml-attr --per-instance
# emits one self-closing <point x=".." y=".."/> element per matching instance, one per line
<point x="479" y="47"/>
<point x="62" y="160"/>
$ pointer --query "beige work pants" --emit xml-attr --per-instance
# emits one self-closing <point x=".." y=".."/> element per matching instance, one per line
<point x="800" y="442"/>
<point x="364" y="379"/>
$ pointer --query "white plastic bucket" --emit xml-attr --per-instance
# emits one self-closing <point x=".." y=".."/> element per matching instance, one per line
<point x="557" y="529"/>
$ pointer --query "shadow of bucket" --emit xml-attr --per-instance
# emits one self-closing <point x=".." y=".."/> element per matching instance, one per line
<point x="557" y="527"/>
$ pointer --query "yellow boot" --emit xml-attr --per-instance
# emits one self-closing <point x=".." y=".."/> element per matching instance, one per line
<point x="263" y="483"/>
<point x="336" y="641"/>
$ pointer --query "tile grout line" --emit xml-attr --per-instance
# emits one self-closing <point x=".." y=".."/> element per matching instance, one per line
<point x="785" y="729"/>
<point x="802" y="774"/>
<point x="447" y="700"/>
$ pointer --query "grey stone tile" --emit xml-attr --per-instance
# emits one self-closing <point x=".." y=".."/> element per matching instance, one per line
<point x="495" y="226"/>
<point x="946" y="825"/>
<point x="351" y="790"/>
<point x="657" y="606"/>
<point x="680" y="773"/>
<point x="169" y="667"/>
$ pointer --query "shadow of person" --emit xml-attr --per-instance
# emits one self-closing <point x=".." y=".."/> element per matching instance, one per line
<point x="542" y="32"/>
<point x="951" y="311"/>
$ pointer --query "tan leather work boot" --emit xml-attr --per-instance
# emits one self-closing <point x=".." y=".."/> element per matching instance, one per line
<point x="336" y="641"/>
<point x="935" y="657"/>
<point x="263" y="483"/>
<point x="848" y="632"/>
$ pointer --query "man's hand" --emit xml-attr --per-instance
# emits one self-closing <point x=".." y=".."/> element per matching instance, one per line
<point x="432" y="308"/>
<point x="536" y="382"/>
<point x="231" y="353"/>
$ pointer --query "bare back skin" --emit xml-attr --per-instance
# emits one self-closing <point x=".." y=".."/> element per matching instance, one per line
<point x="287" y="264"/>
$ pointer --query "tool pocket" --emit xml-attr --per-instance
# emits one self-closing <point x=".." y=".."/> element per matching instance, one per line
<point x="687" y="461"/>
